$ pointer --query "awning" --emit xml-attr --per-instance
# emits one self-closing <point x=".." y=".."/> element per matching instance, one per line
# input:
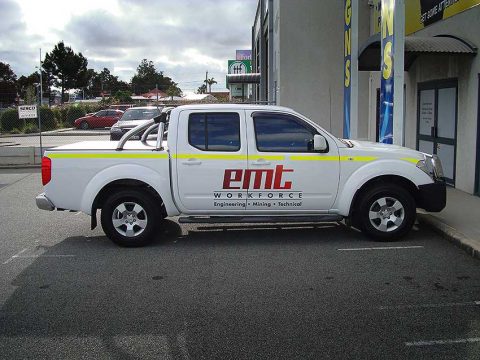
<point x="243" y="78"/>
<point x="369" y="54"/>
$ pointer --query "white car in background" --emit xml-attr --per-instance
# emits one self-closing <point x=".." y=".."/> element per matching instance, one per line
<point x="131" y="118"/>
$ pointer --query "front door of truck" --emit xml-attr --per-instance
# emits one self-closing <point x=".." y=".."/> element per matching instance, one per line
<point x="211" y="149"/>
<point x="284" y="172"/>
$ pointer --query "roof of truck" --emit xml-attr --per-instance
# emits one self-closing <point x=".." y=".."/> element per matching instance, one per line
<point x="233" y="106"/>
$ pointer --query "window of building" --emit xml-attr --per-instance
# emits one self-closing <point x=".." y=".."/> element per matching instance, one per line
<point x="283" y="133"/>
<point x="214" y="131"/>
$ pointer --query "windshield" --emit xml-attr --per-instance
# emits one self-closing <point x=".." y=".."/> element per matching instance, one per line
<point x="139" y="114"/>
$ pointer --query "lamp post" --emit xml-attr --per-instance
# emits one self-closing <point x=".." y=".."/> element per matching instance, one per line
<point x="40" y="104"/>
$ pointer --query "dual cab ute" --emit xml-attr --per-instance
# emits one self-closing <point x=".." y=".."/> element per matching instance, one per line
<point x="239" y="163"/>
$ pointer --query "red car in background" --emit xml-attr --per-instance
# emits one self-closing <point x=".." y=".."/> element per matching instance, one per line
<point x="101" y="119"/>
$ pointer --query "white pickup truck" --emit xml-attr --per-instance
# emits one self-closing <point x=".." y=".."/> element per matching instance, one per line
<point x="239" y="163"/>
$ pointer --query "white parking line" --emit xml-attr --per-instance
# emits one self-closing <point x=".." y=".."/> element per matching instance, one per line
<point x="442" y="342"/>
<point x="15" y="256"/>
<point x="382" y="248"/>
<point x="440" y="305"/>
<point x="43" y="256"/>
<point x="20" y="256"/>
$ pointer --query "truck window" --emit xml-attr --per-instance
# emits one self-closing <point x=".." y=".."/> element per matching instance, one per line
<point x="214" y="131"/>
<point x="282" y="133"/>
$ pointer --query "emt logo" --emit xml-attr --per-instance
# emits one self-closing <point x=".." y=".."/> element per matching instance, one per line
<point x="265" y="179"/>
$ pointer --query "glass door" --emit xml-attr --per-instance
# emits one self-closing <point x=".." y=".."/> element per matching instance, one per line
<point x="437" y="123"/>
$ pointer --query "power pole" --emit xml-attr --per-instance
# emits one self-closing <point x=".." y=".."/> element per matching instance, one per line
<point x="39" y="108"/>
<point x="206" y="81"/>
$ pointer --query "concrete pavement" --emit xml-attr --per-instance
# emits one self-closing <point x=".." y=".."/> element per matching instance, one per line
<point x="459" y="222"/>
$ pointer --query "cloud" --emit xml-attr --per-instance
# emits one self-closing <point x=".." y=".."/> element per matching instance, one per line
<point x="16" y="46"/>
<point x="184" y="38"/>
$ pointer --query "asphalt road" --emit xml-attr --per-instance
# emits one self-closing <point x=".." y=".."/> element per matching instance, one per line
<point x="218" y="292"/>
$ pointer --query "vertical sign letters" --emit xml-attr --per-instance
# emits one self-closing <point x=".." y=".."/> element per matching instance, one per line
<point x="387" y="72"/>
<point x="347" y="28"/>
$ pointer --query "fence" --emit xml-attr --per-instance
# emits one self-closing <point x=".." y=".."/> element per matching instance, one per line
<point x="20" y="138"/>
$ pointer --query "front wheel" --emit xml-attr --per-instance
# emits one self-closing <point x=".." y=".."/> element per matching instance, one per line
<point x="129" y="218"/>
<point x="386" y="212"/>
<point x="84" y="125"/>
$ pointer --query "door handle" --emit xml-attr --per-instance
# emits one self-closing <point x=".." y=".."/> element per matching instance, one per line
<point x="192" y="162"/>
<point x="261" y="162"/>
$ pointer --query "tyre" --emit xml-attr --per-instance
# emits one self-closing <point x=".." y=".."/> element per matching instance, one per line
<point x="130" y="217"/>
<point x="386" y="212"/>
<point x="84" y="125"/>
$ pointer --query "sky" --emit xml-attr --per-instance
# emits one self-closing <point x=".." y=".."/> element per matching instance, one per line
<point x="184" y="38"/>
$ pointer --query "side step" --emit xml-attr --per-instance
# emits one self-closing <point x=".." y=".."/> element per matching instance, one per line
<point x="258" y="219"/>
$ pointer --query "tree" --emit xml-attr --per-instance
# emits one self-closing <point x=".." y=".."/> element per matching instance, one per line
<point x="67" y="68"/>
<point x="8" y="88"/>
<point x="202" y="89"/>
<point x="147" y="77"/>
<point x="103" y="82"/>
<point x="32" y="80"/>
<point x="123" y="96"/>
<point x="210" y="82"/>
<point x="174" y="90"/>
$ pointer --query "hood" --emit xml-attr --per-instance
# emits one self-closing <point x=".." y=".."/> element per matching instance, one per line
<point x="80" y="119"/>
<point x="130" y="124"/>
<point x="394" y="150"/>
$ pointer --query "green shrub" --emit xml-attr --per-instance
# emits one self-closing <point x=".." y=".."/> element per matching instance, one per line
<point x="30" y="129"/>
<point x="9" y="120"/>
<point x="48" y="119"/>
<point x="73" y="113"/>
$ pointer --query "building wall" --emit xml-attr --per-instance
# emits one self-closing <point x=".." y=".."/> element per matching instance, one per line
<point x="309" y="59"/>
<point x="438" y="67"/>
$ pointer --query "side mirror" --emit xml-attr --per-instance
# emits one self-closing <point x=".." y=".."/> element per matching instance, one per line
<point x="319" y="143"/>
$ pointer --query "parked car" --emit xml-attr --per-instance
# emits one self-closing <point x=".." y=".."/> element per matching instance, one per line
<point x="131" y="118"/>
<point x="100" y="119"/>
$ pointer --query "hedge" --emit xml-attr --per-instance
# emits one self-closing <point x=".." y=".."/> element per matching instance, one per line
<point x="73" y="113"/>
<point x="9" y="120"/>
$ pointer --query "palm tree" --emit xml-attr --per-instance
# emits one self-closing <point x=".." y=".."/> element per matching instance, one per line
<point x="210" y="82"/>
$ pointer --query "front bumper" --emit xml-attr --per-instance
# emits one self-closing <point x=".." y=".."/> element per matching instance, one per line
<point x="432" y="197"/>
<point x="44" y="203"/>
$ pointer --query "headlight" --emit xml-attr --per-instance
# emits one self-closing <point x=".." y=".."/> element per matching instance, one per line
<point x="115" y="129"/>
<point x="432" y="166"/>
<point x="422" y="165"/>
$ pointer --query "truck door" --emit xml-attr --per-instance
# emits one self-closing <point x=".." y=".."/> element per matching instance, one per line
<point x="211" y="149"/>
<point x="285" y="173"/>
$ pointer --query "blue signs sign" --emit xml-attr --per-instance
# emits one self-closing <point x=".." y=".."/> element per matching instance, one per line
<point x="387" y="80"/>
<point x="347" y="63"/>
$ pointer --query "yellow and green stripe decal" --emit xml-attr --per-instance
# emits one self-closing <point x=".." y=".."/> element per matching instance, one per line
<point x="124" y="155"/>
<point x="210" y="156"/>
<point x="411" y="160"/>
<point x="120" y="155"/>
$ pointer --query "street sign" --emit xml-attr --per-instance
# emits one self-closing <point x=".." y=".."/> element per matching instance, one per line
<point x="244" y="55"/>
<point x="239" y="66"/>
<point x="27" y="112"/>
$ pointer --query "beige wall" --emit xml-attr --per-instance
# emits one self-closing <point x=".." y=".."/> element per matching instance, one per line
<point x="310" y="67"/>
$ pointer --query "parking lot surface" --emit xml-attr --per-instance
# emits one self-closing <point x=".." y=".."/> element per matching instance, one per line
<point x="227" y="292"/>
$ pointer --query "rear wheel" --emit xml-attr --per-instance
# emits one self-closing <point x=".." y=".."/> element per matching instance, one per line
<point x="84" y="125"/>
<point x="130" y="217"/>
<point x="386" y="212"/>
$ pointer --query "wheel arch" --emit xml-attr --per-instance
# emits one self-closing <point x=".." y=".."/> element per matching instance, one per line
<point x="383" y="179"/>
